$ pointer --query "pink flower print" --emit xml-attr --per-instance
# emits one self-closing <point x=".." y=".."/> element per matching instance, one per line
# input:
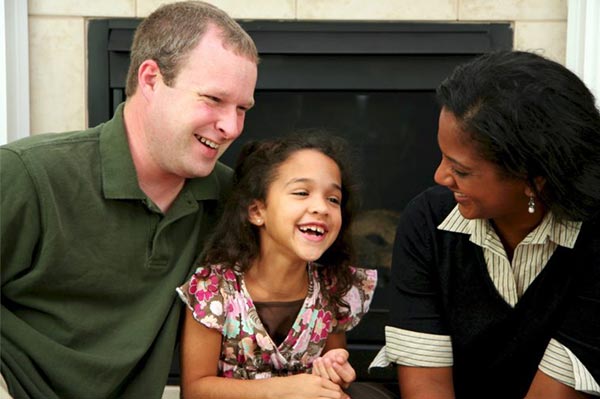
<point x="193" y="285"/>
<point x="202" y="272"/>
<point x="231" y="329"/>
<point x="228" y="353"/>
<point x="322" y="326"/>
<point x="228" y="374"/>
<point x="265" y="356"/>
<point x="306" y="316"/>
<point x="199" y="311"/>
<point x="230" y="276"/>
<point x="302" y="342"/>
<point x="233" y="307"/>
<point x="264" y="342"/>
<point x="207" y="288"/>
<point x="247" y="346"/>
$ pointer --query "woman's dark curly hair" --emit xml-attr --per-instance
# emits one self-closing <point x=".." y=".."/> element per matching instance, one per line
<point x="235" y="241"/>
<point x="532" y="117"/>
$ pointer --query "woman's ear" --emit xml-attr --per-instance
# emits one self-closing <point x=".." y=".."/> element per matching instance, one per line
<point x="256" y="213"/>
<point x="539" y="183"/>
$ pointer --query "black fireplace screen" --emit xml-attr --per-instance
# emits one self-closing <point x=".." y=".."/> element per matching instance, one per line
<point x="372" y="83"/>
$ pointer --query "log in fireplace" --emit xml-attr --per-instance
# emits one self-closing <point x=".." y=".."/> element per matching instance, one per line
<point x="372" y="83"/>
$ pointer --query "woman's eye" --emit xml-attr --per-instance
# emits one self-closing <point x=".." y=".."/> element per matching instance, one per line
<point x="459" y="173"/>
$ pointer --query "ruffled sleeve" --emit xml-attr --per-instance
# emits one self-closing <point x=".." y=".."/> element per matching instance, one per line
<point x="359" y="299"/>
<point x="206" y="295"/>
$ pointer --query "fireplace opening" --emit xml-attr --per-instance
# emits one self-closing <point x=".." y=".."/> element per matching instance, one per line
<point x="371" y="83"/>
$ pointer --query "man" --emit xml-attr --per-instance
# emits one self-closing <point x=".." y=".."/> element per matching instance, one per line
<point x="98" y="227"/>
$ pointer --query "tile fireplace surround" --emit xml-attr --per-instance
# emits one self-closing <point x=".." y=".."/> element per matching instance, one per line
<point x="58" y="30"/>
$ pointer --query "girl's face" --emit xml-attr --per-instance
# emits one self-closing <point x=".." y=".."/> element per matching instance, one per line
<point x="479" y="187"/>
<point x="301" y="216"/>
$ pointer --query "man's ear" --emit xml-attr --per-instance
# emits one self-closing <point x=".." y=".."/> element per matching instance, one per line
<point x="148" y="77"/>
<point x="256" y="212"/>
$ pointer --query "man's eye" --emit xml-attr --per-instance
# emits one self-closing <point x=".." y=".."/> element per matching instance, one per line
<point x="213" y="99"/>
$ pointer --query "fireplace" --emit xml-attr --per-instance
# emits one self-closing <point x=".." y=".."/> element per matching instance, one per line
<point x="372" y="83"/>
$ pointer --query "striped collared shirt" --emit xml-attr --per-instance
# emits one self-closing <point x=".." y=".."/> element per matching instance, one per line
<point x="411" y="348"/>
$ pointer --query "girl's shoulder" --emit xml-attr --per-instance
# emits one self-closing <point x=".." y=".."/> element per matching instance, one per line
<point x="215" y="277"/>
<point x="364" y="281"/>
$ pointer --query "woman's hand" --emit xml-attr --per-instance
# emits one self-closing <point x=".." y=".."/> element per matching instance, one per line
<point x="334" y="366"/>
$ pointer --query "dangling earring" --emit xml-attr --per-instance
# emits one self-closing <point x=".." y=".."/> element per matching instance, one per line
<point x="531" y="205"/>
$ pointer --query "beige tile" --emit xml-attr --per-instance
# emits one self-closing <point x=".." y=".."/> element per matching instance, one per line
<point x="378" y="10"/>
<point x="545" y="38"/>
<point x="171" y="392"/>
<point x="512" y="9"/>
<point x="87" y="8"/>
<point x="241" y="9"/>
<point x="57" y="74"/>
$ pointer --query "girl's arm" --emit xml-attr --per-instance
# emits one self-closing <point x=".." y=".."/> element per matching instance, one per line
<point x="426" y="382"/>
<point x="200" y="352"/>
<point x="545" y="387"/>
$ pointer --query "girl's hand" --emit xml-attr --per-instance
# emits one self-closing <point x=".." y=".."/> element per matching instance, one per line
<point x="334" y="366"/>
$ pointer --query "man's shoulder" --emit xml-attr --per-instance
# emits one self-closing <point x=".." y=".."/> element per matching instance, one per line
<point x="224" y="175"/>
<point x="42" y="142"/>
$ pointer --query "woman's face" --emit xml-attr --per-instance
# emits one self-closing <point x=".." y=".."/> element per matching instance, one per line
<point x="480" y="188"/>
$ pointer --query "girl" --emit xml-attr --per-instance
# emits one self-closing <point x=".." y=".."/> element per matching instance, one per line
<point x="275" y="289"/>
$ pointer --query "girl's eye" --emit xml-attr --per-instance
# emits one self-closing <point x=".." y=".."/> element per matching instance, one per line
<point x="300" y="193"/>
<point x="335" y="200"/>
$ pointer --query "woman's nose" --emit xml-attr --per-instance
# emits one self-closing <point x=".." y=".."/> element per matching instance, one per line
<point x="442" y="175"/>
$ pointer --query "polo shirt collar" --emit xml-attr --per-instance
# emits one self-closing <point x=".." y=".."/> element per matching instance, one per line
<point x="561" y="232"/>
<point x="119" y="178"/>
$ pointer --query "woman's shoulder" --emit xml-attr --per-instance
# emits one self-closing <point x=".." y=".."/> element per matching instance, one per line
<point x="428" y="209"/>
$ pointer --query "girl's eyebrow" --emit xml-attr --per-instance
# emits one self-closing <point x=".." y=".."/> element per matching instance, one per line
<point x="307" y="180"/>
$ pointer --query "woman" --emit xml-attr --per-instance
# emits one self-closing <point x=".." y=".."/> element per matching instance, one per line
<point x="497" y="273"/>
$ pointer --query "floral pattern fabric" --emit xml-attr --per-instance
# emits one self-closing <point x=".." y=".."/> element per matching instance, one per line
<point x="219" y="299"/>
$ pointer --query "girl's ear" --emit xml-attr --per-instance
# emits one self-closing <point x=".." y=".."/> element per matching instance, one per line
<point x="256" y="213"/>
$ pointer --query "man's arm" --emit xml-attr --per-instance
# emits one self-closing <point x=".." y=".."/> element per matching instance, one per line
<point x="19" y="216"/>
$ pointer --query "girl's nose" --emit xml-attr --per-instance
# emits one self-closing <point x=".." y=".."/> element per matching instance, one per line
<point x="318" y="205"/>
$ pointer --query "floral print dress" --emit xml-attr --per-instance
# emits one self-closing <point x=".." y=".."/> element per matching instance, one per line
<point x="219" y="299"/>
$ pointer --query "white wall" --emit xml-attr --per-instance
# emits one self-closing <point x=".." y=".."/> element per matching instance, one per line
<point x="14" y="71"/>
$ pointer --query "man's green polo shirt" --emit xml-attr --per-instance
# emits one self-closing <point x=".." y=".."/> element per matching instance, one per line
<point x="89" y="266"/>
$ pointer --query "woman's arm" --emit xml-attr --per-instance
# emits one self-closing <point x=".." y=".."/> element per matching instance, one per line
<point x="545" y="387"/>
<point x="425" y="382"/>
<point x="200" y="352"/>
